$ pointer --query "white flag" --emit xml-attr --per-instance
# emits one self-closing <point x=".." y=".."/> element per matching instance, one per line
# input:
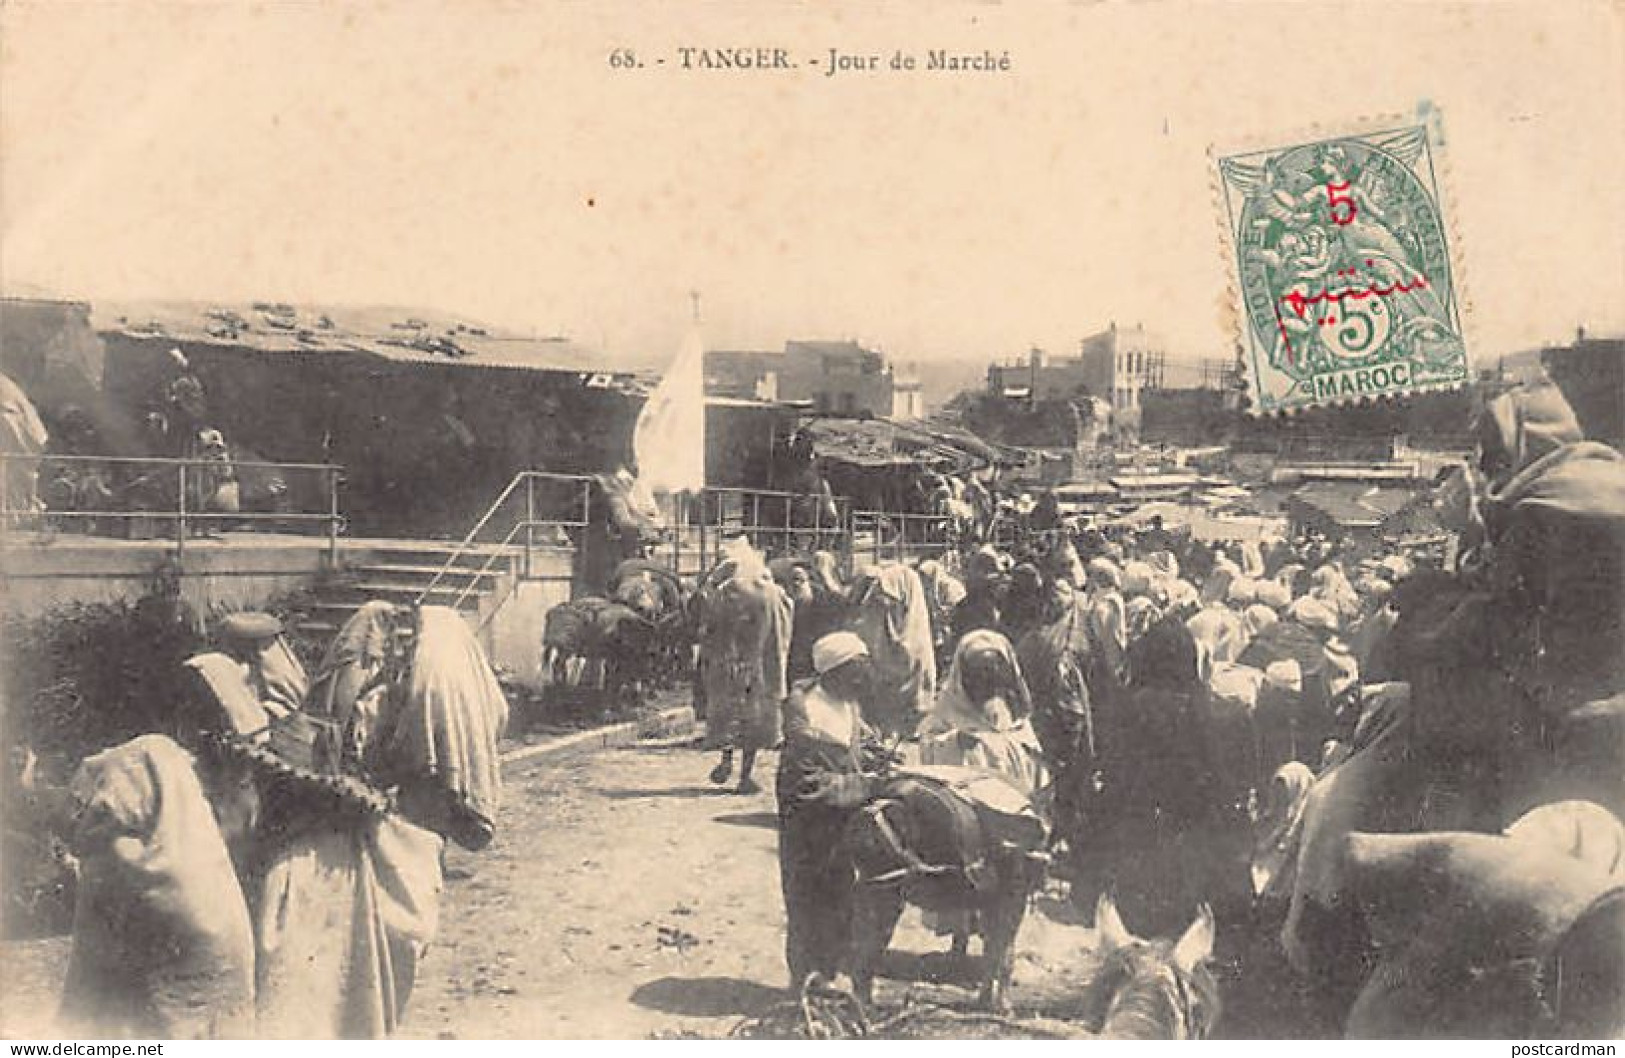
<point x="669" y="442"/>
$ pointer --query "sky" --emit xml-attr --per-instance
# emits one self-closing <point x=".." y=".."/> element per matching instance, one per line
<point x="487" y="159"/>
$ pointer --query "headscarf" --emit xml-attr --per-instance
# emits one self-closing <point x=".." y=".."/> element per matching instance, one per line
<point x="1274" y="594"/>
<point x="1163" y="564"/>
<point x="1103" y="571"/>
<point x="827" y="573"/>
<point x="1243" y="592"/>
<point x="1252" y="559"/>
<point x="1107" y="617"/>
<point x="1332" y="588"/>
<point x="1056" y="661"/>
<point x="1521" y="427"/>
<point x="162" y="944"/>
<point x="1138" y="577"/>
<point x="1257" y="618"/>
<point x="1063" y="563"/>
<point x="1279" y="828"/>
<point x="983" y="565"/>
<point x="943" y="590"/>
<point x="1372" y="589"/>
<point x="1182" y="593"/>
<point x="447" y="728"/>
<point x="1224" y="562"/>
<point x="1140" y="614"/>
<point x="896" y="625"/>
<point x="1582" y="829"/>
<point x="1218" y="636"/>
<point x="21" y="431"/>
<point x="354" y="659"/>
<point x="286" y="684"/>
<point x="1312" y="613"/>
<point x="1396" y="568"/>
<point x="955" y="711"/>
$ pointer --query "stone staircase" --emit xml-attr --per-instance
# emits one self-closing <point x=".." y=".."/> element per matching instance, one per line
<point x="399" y="571"/>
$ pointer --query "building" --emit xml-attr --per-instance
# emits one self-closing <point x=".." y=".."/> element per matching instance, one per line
<point x="908" y="394"/>
<point x="1118" y="364"/>
<point x="840" y="377"/>
<point x="1591" y="374"/>
<point x="430" y="417"/>
<point x="51" y="350"/>
<point x="743" y="374"/>
<point x="1362" y="516"/>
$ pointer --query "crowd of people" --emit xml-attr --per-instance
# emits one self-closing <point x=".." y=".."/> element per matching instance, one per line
<point x="1139" y="689"/>
<point x="270" y="864"/>
<point x="1145" y="689"/>
<point x="1058" y="665"/>
<point x="62" y="479"/>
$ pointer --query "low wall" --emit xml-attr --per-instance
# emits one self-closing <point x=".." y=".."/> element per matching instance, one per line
<point x="513" y="639"/>
<point x="232" y="573"/>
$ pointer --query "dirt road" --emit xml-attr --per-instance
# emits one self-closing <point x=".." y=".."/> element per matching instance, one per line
<point x="629" y="897"/>
<point x="625" y="896"/>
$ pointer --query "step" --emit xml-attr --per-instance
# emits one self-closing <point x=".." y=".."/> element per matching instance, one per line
<point x="414" y="555"/>
<point x="403" y="571"/>
<point x="327" y="627"/>
<point x="389" y="589"/>
<point x="329" y="610"/>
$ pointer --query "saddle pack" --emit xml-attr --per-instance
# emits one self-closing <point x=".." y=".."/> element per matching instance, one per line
<point x="957" y="820"/>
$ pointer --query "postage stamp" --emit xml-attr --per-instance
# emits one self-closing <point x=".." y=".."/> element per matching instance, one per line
<point x="1343" y="280"/>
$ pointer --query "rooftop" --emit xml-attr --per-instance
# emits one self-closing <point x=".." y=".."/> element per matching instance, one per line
<point x="392" y="333"/>
<point x="1354" y="506"/>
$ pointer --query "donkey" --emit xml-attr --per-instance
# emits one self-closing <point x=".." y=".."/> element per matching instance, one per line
<point x="1152" y="990"/>
<point x="922" y="843"/>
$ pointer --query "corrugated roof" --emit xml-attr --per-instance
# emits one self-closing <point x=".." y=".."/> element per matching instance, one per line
<point x="1354" y="506"/>
<point x="397" y="334"/>
<point x="882" y="442"/>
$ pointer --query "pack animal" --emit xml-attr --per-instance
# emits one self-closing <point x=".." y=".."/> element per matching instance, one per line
<point x="1152" y="990"/>
<point x="612" y="637"/>
<point x="920" y="843"/>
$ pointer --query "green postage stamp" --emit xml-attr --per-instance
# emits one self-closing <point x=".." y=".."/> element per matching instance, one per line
<point x="1344" y="285"/>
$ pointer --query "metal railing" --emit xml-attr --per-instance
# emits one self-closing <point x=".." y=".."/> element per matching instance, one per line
<point x="901" y="536"/>
<point x="144" y="493"/>
<point x="775" y="522"/>
<point x="535" y="515"/>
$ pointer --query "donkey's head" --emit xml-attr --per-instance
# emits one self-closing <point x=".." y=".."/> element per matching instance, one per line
<point x="1152" y="989"/>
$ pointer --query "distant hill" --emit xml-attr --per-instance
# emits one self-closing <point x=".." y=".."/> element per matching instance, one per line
<point x="942" y="380"/>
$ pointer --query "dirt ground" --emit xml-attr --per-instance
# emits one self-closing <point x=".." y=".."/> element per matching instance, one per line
<point x="633" y="898"/>
<point x="626" y="897"/>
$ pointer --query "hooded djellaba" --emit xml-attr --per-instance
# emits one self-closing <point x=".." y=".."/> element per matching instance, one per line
<point x="1554" y="521"/>
<point x="162" y="945"/>
<point x="349" y="901"/>
<point x="1055" y="658"/>
<point x="895" y="625"/>
<point x="745" y="629"/>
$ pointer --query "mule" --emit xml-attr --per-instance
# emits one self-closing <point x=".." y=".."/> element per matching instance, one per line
<point x="622" y="643"/>
<point x="1152" y="990"/>
<point x="920" y="842"/>
<point x="1486" y="936"/>
<point x="658" y="595"/>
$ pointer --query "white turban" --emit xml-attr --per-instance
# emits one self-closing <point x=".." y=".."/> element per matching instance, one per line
<point x="835" y="650"/>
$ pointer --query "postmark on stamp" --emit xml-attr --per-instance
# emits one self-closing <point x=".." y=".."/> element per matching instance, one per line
<point x="1343" y="280"/>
